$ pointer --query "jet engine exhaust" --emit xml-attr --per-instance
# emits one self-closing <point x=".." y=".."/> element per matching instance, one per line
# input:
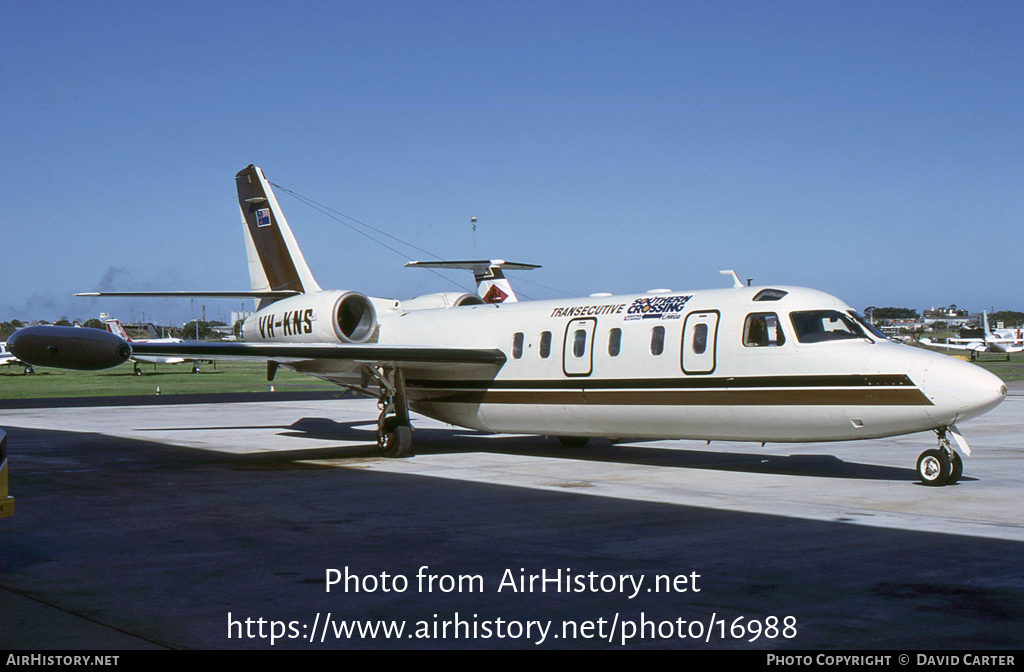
<point x="83" y="349"/>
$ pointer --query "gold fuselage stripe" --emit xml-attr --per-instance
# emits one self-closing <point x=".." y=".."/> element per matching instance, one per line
<point x="875" y="396"/>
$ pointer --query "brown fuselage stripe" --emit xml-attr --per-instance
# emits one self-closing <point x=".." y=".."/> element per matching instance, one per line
<point x="689" y="382"/>
<point x="694" y="397"/>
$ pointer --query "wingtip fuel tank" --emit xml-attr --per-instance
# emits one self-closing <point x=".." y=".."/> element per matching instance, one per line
<point x="77" y="348"/>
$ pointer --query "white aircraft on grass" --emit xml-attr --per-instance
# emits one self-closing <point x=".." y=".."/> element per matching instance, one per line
<point x="115" y="327"/>
<point x="7" y="359"/>
<point x="1006" y="341"/>
<point x="778" y="364"/>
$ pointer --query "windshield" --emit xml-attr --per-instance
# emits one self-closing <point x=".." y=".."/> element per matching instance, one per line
<point x="818" y="326"/>
<point x="867" y="325"/>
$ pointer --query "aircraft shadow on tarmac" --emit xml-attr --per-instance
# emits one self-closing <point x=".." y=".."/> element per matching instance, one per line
<point x="433" y="441"/>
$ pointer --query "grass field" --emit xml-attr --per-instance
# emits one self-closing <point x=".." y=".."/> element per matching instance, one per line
<point x="1007" y="370"/>
<point x="171" y="379"/>
<point x="238" y="377"/>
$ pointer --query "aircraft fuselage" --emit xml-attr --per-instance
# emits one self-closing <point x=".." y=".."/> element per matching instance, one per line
<point x="707" y="364"/>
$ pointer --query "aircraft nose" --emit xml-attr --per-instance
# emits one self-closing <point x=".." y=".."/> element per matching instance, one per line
<point x="960" y="390"/>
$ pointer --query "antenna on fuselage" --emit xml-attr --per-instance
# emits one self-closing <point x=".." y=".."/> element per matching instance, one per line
<point x="736" y="282"/>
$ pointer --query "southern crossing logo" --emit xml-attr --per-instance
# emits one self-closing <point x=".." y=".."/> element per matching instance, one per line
<point x="657" y="308"/>
<point x="263" y="217"/>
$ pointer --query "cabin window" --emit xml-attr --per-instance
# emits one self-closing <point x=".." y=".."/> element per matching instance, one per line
<point x="614" y="342"/>
<point x="700" y="339"/>
<point x="545" y="344"/>
<point x="657" y="340"/>
<point x="762" y="329"/>
<point x="817" y="326"/>
<point x="579" y="343"/>
<point x="517" y="345"/>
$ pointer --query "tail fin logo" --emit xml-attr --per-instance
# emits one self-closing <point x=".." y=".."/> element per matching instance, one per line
<point x="494" y="295"/>
<point x="263" y="217"/>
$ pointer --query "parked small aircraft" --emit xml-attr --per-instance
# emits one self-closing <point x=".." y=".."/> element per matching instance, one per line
<point x="1006" y="341"/>
<point x="7" y="359"/>
<point x="115" y="327"/>
<point x="778" y="364"/>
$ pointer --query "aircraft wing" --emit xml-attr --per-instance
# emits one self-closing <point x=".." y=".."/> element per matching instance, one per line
<point x="364" y="353"/>
<point x="1004" y="345"/>
<point x="952" y="344"/>
<point x="92" y="349"/>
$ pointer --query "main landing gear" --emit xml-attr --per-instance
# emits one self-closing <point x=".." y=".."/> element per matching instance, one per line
<point x="942" y="465"/>
<point x="394" y="431"/>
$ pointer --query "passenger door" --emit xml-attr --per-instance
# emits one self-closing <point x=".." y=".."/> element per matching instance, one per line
<point x="699" y="349"/>
<point x="578" y="347"/>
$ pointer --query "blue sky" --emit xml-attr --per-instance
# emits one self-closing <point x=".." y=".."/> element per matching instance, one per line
<point x="870" y="150"/>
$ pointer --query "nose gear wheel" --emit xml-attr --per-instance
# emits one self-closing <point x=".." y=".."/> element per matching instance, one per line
<point x="942" y="465"/>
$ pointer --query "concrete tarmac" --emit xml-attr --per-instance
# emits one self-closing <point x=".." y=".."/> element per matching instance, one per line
<point x="169" y="524"/>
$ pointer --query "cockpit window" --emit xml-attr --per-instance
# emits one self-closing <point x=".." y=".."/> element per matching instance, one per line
<point x="867" y="325"/>
<point x="818" y="326"/>
<point x="762" y="329"/>
<point x="770" y="295"/>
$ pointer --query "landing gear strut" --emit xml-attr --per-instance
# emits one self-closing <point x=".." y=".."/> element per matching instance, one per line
<point x="394" y="431"/>
<point x="942" y="465"/>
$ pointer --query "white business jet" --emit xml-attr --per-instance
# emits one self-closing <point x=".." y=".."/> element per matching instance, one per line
<point x="766" y="364"/>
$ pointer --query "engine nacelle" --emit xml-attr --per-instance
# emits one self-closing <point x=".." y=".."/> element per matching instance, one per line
<point x="321" y="317"/>
<point x="78" y="348"/>
<point x="441" y="300"/>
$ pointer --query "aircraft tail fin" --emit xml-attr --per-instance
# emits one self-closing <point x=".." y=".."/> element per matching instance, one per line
<point x="275" y="260"/>
<point x="114" y="326"/>
<point x="491" y="284"/>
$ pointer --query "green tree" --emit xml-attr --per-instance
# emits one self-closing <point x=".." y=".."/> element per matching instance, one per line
<point x="8" y="328"/>
<point x="891" y="313"/>
<point x="1009" y="318"/>
<point x="188" y="331"/>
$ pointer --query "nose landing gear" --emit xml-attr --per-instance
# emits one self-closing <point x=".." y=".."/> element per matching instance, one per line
<point x="942" y="465"/>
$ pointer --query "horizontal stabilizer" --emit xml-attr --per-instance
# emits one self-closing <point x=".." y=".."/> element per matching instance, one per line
<point x="476" y="266"/>
<point x="491" y="284"/>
